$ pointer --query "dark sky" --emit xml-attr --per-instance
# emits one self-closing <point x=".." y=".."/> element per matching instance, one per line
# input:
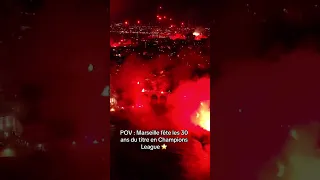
<point x="53" y="58"/>
<point x="202" y="10"/>
<point x="147" y="10"/>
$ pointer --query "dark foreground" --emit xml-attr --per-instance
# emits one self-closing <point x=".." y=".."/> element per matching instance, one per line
<point x="55" y="166"/>
<point x="129" y="163"/>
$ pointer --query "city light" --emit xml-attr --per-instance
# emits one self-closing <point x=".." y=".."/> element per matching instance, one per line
<point x="126" y="22"/>
<point x="138" y="21"/>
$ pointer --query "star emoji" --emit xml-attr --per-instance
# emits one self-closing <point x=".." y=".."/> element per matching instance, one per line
<point x="164" y="146"/>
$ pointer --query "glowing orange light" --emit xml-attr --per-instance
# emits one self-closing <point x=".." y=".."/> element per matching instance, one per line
<point x="196" y="33"/>
<point x="126" y="22"/>
<point x="182" y="24"/>
<point x="164" y="17"/>
<point x="159" y="18"/>
<point x="202" y="116"/>
<point x="113" y="101"/>
<point x="138" y="22"/>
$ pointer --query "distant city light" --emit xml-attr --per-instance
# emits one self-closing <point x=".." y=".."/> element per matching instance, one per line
<point x="170" y="29"/>
<point x="126" y="22"/>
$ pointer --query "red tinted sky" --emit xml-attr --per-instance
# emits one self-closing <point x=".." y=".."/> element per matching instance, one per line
<point x="55" y="56"/>
<point x="147" y="10"/>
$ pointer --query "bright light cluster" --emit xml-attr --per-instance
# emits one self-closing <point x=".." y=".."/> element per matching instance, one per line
<point x="202" y="116"/>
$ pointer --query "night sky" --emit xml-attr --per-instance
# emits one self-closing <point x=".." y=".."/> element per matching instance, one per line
<point x="147" y="10"/>
<point x="51" y="60"/>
